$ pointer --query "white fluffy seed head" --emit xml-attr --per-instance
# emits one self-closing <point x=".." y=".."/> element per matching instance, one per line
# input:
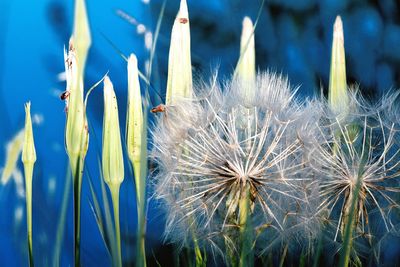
<point x="360" y="148"/>
<point x="209" y="149"/>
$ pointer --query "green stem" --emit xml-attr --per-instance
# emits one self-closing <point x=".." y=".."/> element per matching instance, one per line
<point x="141" y="212"/>
<point x="28" y="184"/>
<point x="77" y="171"/>
<point x="246" y="257"/>
<point x="199" y="257"/>
<point x="61" y="223"/>
<point x="348" y="232"/>
<point x="114" y="188"/>
<point x="283" y="257"/>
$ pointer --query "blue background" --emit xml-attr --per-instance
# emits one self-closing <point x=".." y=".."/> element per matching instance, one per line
<point x="293" y="37"/>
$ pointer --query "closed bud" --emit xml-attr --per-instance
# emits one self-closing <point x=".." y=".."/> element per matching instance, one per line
<point x="134" y="124"/>
<point x="28" y="150"/>
<point x="338" y="95"/>
<point x="246" y="67"/>
<point x="76" y="128"/>
<point x="81" y="34"/>
<point x="113" y="164"/>
<point x="179" y="83"/>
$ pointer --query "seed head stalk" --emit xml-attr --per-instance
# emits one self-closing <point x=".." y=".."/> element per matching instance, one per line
<point x="349" y="225"/>
<point x="246" y="252"/>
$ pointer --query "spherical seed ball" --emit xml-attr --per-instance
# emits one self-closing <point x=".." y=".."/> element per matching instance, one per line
<point x="357" y="159"/>
<point x="215" y="149"/>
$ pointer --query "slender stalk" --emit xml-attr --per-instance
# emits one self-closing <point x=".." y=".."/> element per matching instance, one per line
<point x="61" y="223"/>
<point x="200" y="262"/>
<point x="283" y="257"/>
<point x="115" y="201"/>
<point x="246" y="255"/>
<point x="28" y="184"/>
<point x="141" y="213"/>
<point x="348" y="232"/>
<point x="77" y="171"/>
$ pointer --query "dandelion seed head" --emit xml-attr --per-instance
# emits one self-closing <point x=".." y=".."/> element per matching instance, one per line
<point x="360" y="148"/>
<point x="210" y="149"/>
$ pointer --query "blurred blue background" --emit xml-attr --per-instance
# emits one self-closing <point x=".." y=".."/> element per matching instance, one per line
<point x="292" y="37"/>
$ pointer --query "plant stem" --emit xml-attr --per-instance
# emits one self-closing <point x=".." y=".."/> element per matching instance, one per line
<point x="141" y="213"/>
<point x="28" y="168"/>
<point x="348" y="232"/>
<point x="61" y="223"/>
<point x="246" y="255"/>
<point x="77" y="171"/>
<point x="114" y="188"/>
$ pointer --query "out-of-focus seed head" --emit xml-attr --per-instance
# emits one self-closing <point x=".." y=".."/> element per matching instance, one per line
<point x="13" y="151"/>
<point x="28" y="150"/>
<point x="113" y="162"/>
<point x="179" y="84"/>
<point x="338" y="94"/>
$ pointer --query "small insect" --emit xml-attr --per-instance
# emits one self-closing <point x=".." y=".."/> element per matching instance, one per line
<point x="64" y="95"/>
<point x="159" y="108"/>
<point x="183" y="20"/>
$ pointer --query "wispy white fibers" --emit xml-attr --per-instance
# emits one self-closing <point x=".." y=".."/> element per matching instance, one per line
<point x="363" y="147"/>
<point x="206" y="159"/>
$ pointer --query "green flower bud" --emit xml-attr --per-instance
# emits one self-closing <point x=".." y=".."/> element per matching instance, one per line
<point x="76" y="132"/>
<point x="28" y="150"/>
<point x="113" y="163"/>
<point x="134" y="124"/>
<point x="246" y="66"/>
<point x="81" y="34"/>
<point x="338" y="94"/>
<point x="179" y="84"/>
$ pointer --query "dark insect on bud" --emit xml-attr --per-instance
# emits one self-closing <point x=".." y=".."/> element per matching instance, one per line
<point x="64" y="95"/>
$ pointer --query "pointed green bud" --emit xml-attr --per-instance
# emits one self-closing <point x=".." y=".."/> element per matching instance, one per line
<point x="136" y="143"/>
<point x="338" y="95"/>
<point x="113" y="162"/>
<point x="246" y="67"/>
<point x="81" y="34"/>
<point x="179" y="83"/>
<point x="134" y="124"/>
<point x="76" y="132"/>
<point x="28" y="150"/>
<point x="29" y="159"/>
